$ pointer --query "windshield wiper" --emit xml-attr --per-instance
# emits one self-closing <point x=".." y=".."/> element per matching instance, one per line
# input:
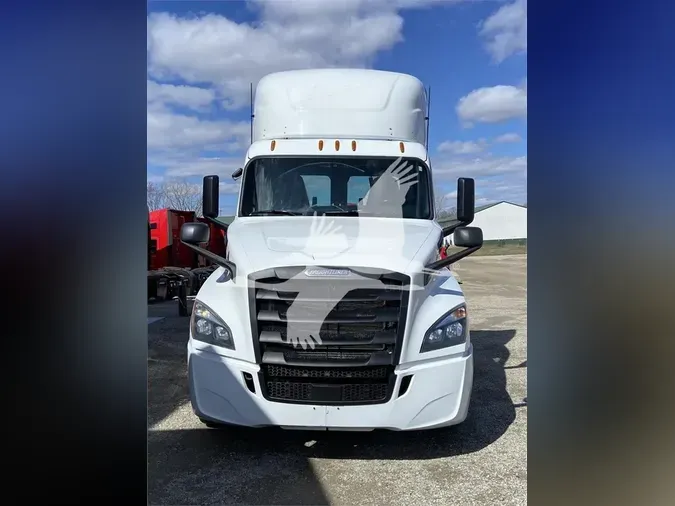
<point x="340" y="213"/>
<point x="273" y="212"/>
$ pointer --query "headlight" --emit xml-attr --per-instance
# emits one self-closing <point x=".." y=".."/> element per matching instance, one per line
<point x="208" y="327"/>
<point x="449" y="331"/>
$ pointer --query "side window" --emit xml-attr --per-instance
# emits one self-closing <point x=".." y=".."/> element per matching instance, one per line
<point x="357" y="187"/>
<point x="318" y="187"/>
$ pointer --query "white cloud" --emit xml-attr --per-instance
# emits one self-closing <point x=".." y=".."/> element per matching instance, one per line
<point x="213" y="50"/>
<point x="203" y="166"/>
<point x="508" y="138"/>
<point x="169" y="130"/>
<point x="505" y="31"/>
<point x="184" y="164"/>
<point x="492" y="105"/>
<point x="463" y="147"/>
<point x="450" y="169"/>
<point x="188" y="166"/>
<point x="275" y="9"/>
<point x="190" y="97"/>
<point x="155" y="178"/>
<point x="512" y="188"/>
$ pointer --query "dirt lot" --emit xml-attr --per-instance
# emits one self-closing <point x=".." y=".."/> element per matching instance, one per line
<point x="482" y="461"/>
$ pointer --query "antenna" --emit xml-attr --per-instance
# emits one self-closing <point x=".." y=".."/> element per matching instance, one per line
<point x="426" y="140"/>
<point x="252" y="115"/>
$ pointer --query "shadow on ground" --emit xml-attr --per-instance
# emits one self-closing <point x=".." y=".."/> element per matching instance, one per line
<point x="270" y="466"/>
<point x="167" y="369"/>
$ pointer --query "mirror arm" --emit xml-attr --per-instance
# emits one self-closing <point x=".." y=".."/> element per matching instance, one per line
<point x="216" y="259"/>
<point x="444" y="262"/>
<point x="217" y="223"/>
<point x="451" y="228"/>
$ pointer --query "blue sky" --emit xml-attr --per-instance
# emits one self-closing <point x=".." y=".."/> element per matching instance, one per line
<point x="202" y="55"/>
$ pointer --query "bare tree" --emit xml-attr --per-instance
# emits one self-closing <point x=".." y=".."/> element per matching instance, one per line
<point x="439" y="201"/>
<point x="156" y="196"/>
<point x="440" y="205"/>
<point x="183" y="196"/>
<point x="180" y="195"/>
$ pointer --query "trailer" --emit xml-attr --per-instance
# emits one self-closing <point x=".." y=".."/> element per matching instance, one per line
<point x="175" y="272"/>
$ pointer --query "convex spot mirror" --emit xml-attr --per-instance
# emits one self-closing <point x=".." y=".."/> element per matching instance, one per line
<point x="195" y="233"/>
<point x="467" y="237"/>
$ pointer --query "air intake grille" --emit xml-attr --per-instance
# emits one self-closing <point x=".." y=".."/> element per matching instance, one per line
<point x="314" y="393"/>
<point x="361" y="330"/>
<point x="370" y="373"/>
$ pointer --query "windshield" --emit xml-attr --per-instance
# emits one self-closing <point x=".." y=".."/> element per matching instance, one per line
<point x="344" y="186"/>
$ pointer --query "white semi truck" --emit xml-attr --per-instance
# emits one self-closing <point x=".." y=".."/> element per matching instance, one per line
<point x="333" y="309"/>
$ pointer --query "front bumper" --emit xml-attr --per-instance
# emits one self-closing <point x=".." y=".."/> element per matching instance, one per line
<point x="438" y="396"/>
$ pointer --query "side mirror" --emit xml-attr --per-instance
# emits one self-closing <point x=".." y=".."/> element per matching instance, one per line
<point x="210" y="196"/>
<point x="195" y="233"/>
<point x="467" y="237"/>
<point x="466" y="199"/>
<point x="237" y="173"/>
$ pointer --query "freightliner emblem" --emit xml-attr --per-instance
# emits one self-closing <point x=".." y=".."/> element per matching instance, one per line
<point x="326" y="273"/>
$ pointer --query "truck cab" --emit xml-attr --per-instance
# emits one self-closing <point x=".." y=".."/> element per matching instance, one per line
<point x="332" y="308"/>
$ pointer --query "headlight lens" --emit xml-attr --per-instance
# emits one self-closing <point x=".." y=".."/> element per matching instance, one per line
<point x="449" y="331"/>
<point x="208" y="327"/>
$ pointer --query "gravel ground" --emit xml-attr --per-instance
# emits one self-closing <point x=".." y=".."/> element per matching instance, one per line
<point x="482" y="461"/>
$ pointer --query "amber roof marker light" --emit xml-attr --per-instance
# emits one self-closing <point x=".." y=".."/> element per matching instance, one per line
<point x="273" y="145"/>
<point x="320" y="145"/>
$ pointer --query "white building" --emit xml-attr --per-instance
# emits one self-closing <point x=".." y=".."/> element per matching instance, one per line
<point x="500" y="221"/>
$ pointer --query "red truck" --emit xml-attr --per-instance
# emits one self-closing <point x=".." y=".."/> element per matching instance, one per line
<point x="174" y="270"/>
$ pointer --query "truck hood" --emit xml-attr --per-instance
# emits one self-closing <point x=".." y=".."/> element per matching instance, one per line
<point x="271" y="241"/>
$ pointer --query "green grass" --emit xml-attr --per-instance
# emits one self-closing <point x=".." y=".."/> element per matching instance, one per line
<point x="492" y="248"/>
